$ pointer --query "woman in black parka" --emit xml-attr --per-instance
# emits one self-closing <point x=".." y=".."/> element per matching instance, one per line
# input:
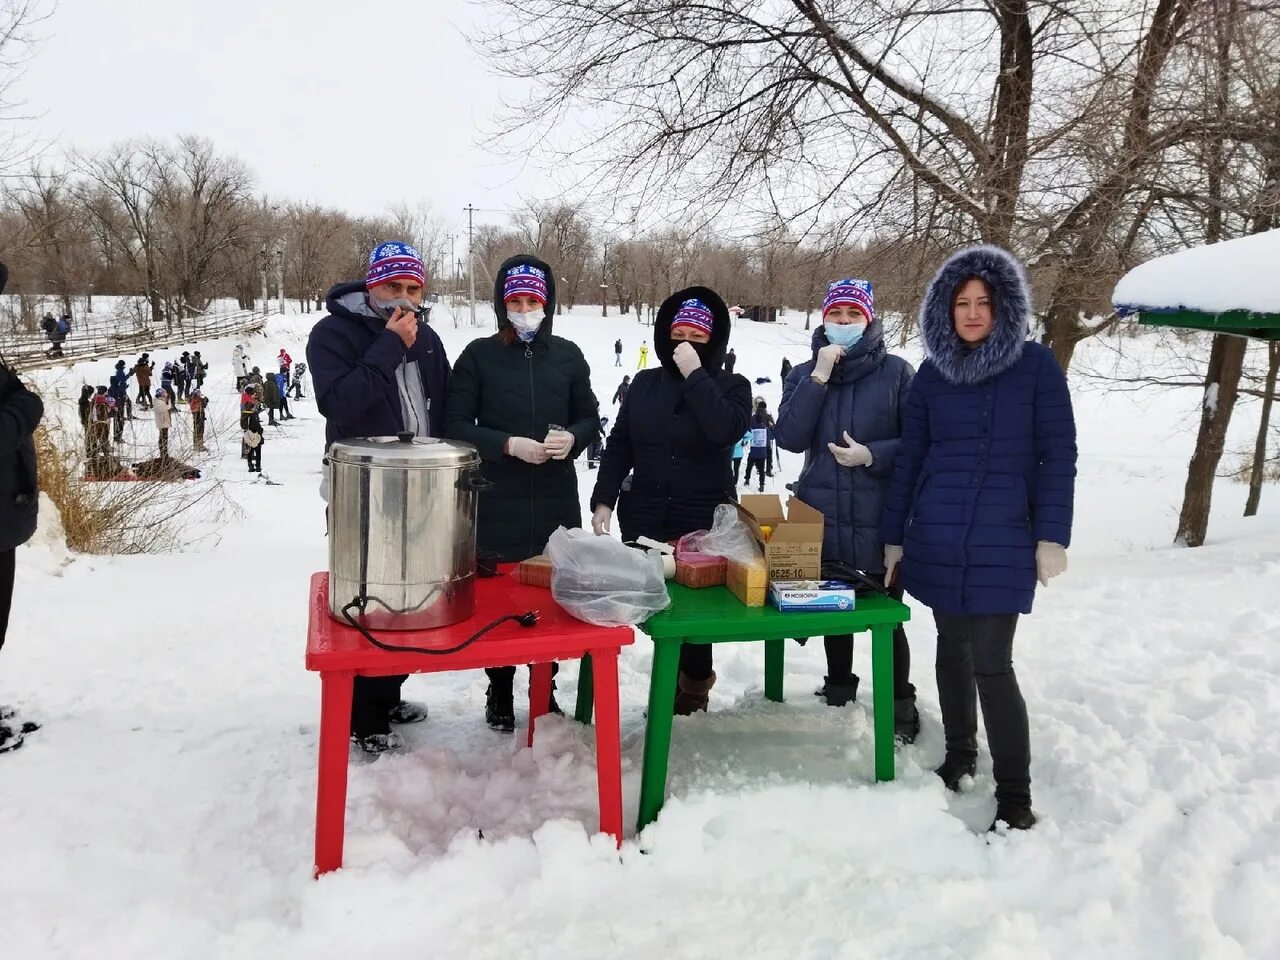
<point x="675" y="435"/>
<point x="505" y="393"/>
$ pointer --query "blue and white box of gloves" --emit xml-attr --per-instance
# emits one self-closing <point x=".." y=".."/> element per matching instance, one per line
<point x="817" y="596"/>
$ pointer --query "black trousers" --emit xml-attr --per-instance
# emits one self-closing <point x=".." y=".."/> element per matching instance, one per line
<point x="506" y="676"/>
<point x="975" y="665"/>
<point x="255" y="459"/>
<point x="840" y="655"/>
<point x="758" y="466"/>
<point x="737" y="470"/>
<point x="372" y="699"/>
<point x="7" y="558"/>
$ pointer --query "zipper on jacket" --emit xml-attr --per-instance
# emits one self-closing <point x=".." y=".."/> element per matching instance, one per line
<point x="533" y="432"/>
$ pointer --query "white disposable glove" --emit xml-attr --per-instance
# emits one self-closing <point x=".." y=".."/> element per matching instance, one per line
<point x="852" y="454"/>
<point x="559" y="444"/>
<point x="530" y="451"/>
<point x="600" y="518"/>
<point x="686" y="358"/>
<point x="1051" y="561"/>
<point x="892" y="557"/>
<point x="827" y="359"/>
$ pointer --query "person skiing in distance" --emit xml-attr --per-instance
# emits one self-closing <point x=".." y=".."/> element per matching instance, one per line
<point x="617" y="352"/>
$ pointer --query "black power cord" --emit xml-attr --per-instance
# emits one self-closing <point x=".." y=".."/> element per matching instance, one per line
<point x="527" y="619"/>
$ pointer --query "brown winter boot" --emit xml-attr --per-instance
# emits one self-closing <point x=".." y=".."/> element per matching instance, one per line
<point x="692" y="695"/>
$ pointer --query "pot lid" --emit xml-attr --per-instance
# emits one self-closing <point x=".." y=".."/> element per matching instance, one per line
<point x="405" y="450"/>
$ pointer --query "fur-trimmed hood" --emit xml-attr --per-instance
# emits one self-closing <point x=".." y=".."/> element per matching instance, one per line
<point x="716" y="347"/>
<point x="954" y="360"/>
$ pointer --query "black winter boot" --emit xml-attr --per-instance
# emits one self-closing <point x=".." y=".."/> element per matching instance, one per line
<point x="1015" y="816"/>
<point x="838" y="692"/>
<point x="693" y="695"/>
<point x="906" y="719"/>
<point x="499" y="709"/>
<point x="956" y="767"/>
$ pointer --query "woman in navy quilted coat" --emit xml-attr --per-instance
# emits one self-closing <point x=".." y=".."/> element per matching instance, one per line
<point x="980" y="504"/>
<point x="842" y="410"/>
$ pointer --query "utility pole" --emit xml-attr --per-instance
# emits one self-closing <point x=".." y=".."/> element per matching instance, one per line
<point x="471" y="259"/>
<point x="280" y="273"/>
<point x="453" y="272"/>
<point x="604" y="281"/>
<point x="262" y="270"/>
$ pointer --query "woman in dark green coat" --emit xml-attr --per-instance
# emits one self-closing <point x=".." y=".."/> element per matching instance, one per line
<point x="523" y="398"/>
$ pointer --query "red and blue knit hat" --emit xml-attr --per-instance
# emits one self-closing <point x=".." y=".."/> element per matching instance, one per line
<point x="851" y="292"/>
<point x="525" y="280"/>
<point x="395" y="260"/>
<point x="694" y="314"/>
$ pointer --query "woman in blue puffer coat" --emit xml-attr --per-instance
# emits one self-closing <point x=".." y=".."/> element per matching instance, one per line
<point x="842" y="410"/>
<point x="981" y="504"/>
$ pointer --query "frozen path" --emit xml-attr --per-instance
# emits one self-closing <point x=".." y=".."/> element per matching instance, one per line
<point x="165" y="810"/>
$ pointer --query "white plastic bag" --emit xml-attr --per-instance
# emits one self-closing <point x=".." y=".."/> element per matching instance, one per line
<point x="599" y="580"/>
<point x="728" y="537"/>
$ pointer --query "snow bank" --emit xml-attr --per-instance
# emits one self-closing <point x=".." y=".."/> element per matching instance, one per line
<point x="165" y="809"/>
<point x="1241" y="274"/>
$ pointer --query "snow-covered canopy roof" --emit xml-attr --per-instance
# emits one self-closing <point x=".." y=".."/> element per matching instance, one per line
<point x="1241" y="274"/>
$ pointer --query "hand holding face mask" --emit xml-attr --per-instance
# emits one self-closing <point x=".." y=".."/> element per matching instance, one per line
<point x="686" y="358"/>
<point x="404" y="324"/>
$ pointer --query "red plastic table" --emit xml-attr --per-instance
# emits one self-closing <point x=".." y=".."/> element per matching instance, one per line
<point x="339" y="653"/>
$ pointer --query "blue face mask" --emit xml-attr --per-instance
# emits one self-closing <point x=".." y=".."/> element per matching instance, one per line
<point x="844" y="334"/>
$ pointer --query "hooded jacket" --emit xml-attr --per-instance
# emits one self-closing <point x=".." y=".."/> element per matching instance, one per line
<point x="363" y="376"/>
<point x="987" y="459"/>
<point x="20" y="413"/>
<point x="864" y="396"/>
<point x="505" y="389"/>
<point x="675" y="435"/>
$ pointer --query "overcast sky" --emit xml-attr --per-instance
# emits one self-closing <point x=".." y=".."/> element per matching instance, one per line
<point x="352" y="104"/>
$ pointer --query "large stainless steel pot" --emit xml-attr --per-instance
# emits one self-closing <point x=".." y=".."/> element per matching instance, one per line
<point x="402" y="531"/>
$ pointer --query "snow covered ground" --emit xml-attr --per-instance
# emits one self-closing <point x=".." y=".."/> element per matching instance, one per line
<point x="165" y="810"/>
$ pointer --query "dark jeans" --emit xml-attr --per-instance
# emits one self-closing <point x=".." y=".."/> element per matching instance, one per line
<point x="284" y="404"/>
<point x="164" y="443"/>
<point x="758" y="466"/>
<point x="506" y="676"/>
<point x="197" y="428"/>
<point x="372" y="699"/>
<point x="975" y="663"/>
<point x="840" y="655"/>
<point x="737" y="470"/>
<point x="6" y="590"/>
<point x="255" y="459"/>
<point x="695" y="660"/>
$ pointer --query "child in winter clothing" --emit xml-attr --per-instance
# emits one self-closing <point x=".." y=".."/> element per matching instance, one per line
<point x="253" y="441"/>
<point x="282" y="388"/>
<point x="163" y="418"/>
<point x="271" y="397"/>
<point x="761" y="432"/>
<point x="142" y="372"/>
<point x="739" y="451"/>
<point x="197" y="404"/>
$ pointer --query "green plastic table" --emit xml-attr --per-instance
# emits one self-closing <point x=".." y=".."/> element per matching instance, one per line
<point x="714" y="615"/>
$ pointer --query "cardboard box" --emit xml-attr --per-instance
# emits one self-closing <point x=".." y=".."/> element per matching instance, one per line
<point x="793" y="549"/>
<point x="536" y="571"/>
<point x="794" y="596"/>
<point x="748" y="581"/>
